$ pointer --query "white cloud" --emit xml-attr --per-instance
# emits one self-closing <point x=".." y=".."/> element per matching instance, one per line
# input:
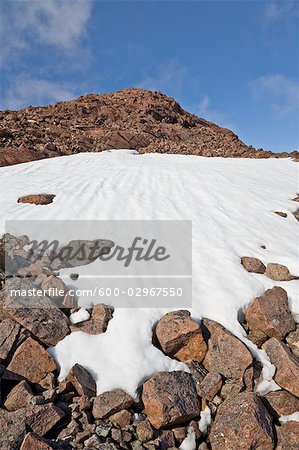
<point x="169" y="76"/>
<point x="281" y="93"/>
<point x="206" y="111"/>
<point x="277" y="10"/>
<point x="34" y="91"/>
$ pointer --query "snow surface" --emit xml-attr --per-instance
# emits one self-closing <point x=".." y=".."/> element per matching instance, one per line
<point x="189" y="443"/>
<point x="205" y="419"/>
<point x="292" y="417"/>
<point x="231" y="204"/>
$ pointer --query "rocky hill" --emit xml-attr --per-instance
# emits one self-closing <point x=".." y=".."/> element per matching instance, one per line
<point x="132" y="118"/>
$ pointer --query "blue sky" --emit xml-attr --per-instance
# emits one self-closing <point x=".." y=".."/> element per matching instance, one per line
<point x="232" y="62"/>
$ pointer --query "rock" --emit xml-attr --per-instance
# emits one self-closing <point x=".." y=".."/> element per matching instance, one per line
<point x="13" y="429"/>
<point x="9" y="331"/>
<point x="33" y="441"/>
<point x="253" y="265"/>
<point x="54" y="287"/>
<point x="242" y="422"/>
<point x="257" y="337"/>
<point x="82" y="381"/>
<point x="70" y="300"/>
<point x="209" y="386"/>
<point x="121" y="419"/>
<point x="111" y="402"/>
<point x="278" y="272"/>
<point x="32" y="361"/>
<point x="97" y="323"/>
<point x="270" y="314"/>
<point x="37" y="313"/>
<point x="82" y="252"/>
<point x="281" y="403"/>
<point x="42" y="418"/>
<point x="287" y="365"/>
<point x="37" y="199"/>
<point x="180" y="336"/>
<point x="288" y="436"/>
<point x="170" y="398"/>
<point x="281" y="214"/>
<point x="293" y="341"/>
<point x="226" y="354"/>
<point x="19" y="397"/>
<point x="103" y="430"/>
<point x="144" y="431"/>
<point x="33" y="270"/>
<point x="92" y="442"/>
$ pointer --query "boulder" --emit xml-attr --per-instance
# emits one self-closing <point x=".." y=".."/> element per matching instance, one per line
<point x="170" y="398"/>
<point x="281" y="403"/>
<point x="9" y="331"/>
<point x="42" y="418"/>
<point x="226" y="354"/>
<point x="242" y="423"/>
<point x="19" y="397"/>
<point x="82" y="252"/>
<point x="288" y="436"/>
<point x="270" y="314"/>
<point x="33" y="441"/>
<point x="100" y="316"/>
<point x="293" y="341"/>
<point x="32" y="361"/>
<point x="180" y="336"/>
<point x="287" y="365"/>
<point x="110" y="402"/>
<point x="253" y="265"/>
<point x="37" y="199"/>
<point x="13" y="429"/>
<point x="278" y="272"/>
<point x="82" y="381"/>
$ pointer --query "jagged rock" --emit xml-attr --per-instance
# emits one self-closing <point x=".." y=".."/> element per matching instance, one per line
<point x="288" y="436"/>
<point x="253" y="265"/>
<point x="82" y="252"/>
<point x="37" y="199"/>
<point x="33" y="270"/>
<point x="9" y="331"/>
<point x="144" y="431"/>
<point x="33" y="441"/>
<point x="287" y="365"/>
<point x="180" y="336"/>
<point x="242" y="422"/>
<point x="13" y="429"/>
<point x="19" y="397"/>
<point x="82" y="381"/>
<point x="54" y="287"/>
<point x="257" y="337"/>
<point x="209" y="386"/>
<point x="111" y="402"/>
<point x="170" y="398"/>
<point x="42" y="418"/>
<point x="226" y="354"/>
<point x="98" y="321"/>
<point x="32" y="361"/>
<point x="278" y="272"/>
<point x="293" y="341"/>
<point x="37" y="313"/>
<point x="122" y="418"/>
<point x="70" y="300"/>
<point x="282" y="403"/>
<point x="270" y="314"/>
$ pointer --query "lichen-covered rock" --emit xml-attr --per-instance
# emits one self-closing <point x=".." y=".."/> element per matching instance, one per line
<point x="253" y="265"/>
<point x="282" y="403"/>
<point x="13" y="429"/>
<point x="33" y="441"/>
<point x="293" y="341"/>
<point x="37" y="199"/>
<point x="111" y="402"/>
<point x="42" y="418"/>
<point x="278" y="272"/>
<point x="19" y="397"/>
<point x="9" y="331"/>
<point x="82" y="381"/>
<point x="209" y="386"/>
<point x="288" y="436"/>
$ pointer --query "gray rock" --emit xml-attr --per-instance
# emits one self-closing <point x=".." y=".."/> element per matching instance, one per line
<point x="83" y="252"/>
<point x="13" y="429"/>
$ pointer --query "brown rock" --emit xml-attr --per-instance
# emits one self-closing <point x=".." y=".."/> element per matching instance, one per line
<point x="42" y="418"/>
<point x="82" y="381"/>
<point x="9" y="331"/>
<point x="32" y="361"/>
<point x="281" y="214"/>
<point x="170" y="398"/>
<point x="257" y="337"/>
<point x="13" y="429"/>
<point x="121" y="419"/>
<point x="209" y="386"/>
<point x="253" y="265"/>
<point x="288" y="436"/>
<point x="282" y="403"/>
<point x="37" y="199"/>
<point x="226" y="354"/>
<point x="242" y="423"/>
<point x="54" y="287"/>
<point x="180" y="336"/>
<point x="293" y="341"/>
<point x="111" y="402"/>
<point x="278" y="272"/>
<point x="98" y="321"/>
<point x="33" y="270"/>
<point x="144" y="431"/>
<point x="70" y="300"/>
<point x="287" y="365"/>
<point x="33" y="441"/>
<point x="19" y="397"/>
<point x="270" y="314"/>
<point x="231" y="388"/>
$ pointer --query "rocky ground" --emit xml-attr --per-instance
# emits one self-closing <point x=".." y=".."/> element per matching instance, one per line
<point x="130" y="119"/>
<point x="215" y="406"/>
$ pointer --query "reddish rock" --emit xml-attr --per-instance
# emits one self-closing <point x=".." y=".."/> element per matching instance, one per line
<point x="19" y="397"/>
<point x="288" y="436"/>
<point x="253" y="265"/>
<point x="37" y="199"/>
<point x="111" y="402"/>
<point x="270" y="314"/>
<point x="70" y="300"/>
<point x="170" y="398"/>
<point x="121" y="419"/>
<point x="226" y="354"/>
<point x="144" y="431"/>
<point x="9" y="331"/>
<point x="42" y="418"/>
<point x="82" y="381"/>
<point x="54" y="287"/>
<point x="32" y="361"/>
<point x="33" y="441"/>
<point x="180" y="336"/>
<point x="257" y="337"/>
<point x="278" y="272"/>
<point x="293" y="341"/>
<point x="33" y="270"/>
<point x="287" y="365"/>
<point x="242" y="422"/>
<point x="98" y="321"/>
<point x="209" y="386"/>
<point x="282" y="403"/>
<point x="13" y="429"/>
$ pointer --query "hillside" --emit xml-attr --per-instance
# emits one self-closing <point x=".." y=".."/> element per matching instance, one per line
<point x="129" y="119"/>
